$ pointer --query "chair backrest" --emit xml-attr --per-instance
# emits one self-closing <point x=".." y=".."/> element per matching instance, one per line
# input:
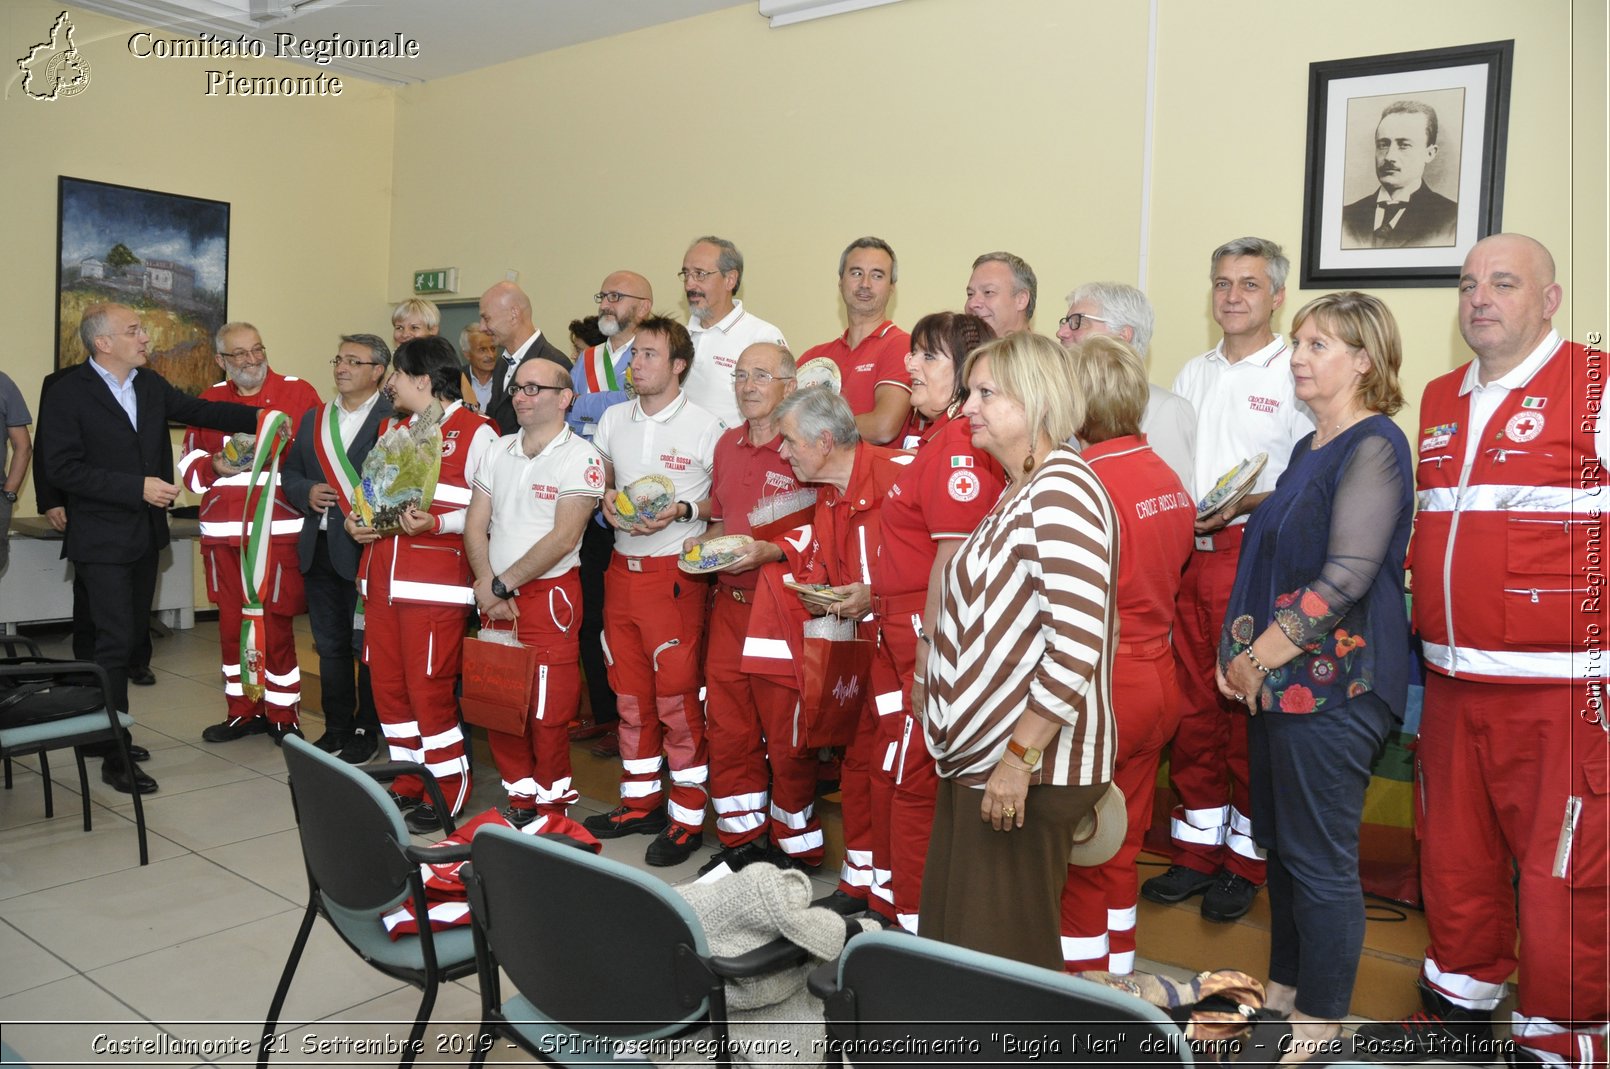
<point x="905" y="999"/>
<point x="352" y="834"/>
<point x="593" y="944"/>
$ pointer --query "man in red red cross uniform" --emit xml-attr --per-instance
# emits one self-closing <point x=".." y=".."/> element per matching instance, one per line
<point x="1514" y="789"/>
<point x="871" y="353"/>
<point x="222" y="482"/>
<point x="821" y="442"/>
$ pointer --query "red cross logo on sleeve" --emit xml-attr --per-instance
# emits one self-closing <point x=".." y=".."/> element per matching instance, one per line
<point x="963" y="485"/>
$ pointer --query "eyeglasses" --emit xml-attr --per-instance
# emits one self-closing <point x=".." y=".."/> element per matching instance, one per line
<point x="1077" y="320"/>
<point x="614" y="296"/>
<point x="534" y="389"/>
<point x="759" y="378"/>
<point x="693" y="274"/>
<point x="257" y="352"/>
<point x="352" y="361"/>
<point x="134" y="332"/>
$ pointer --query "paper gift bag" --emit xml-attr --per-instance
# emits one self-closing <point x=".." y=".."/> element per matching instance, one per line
<point x="497" y="675"/>
<point x="835" y="676"/>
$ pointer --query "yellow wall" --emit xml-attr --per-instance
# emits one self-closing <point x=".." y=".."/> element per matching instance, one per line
<point x="952" y="127"/>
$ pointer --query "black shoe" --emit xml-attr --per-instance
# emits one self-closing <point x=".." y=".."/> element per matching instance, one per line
<point x="736" y="857"/>
<point x="403" y="802"/>
<point x="422" y="819"/>
<point x="360" y="747"/>
<point x="673" y="846"/>
<point x="623" y="820"/>
<point x="233" y="729"/>
<point x="1229" y="898"/>
<point x="138" y="753"/>
<point x="331" y="742"/>
<point x="119" y="778"/>
<point x="1176" y="885"/>
<point x="518" y="815"/>
<point x="142" y="676"/>
<point x="1441" y="1032"/>
<point x="277" y="732"/>
<point x="109" y="749"/>
<point x="845" y="905"/>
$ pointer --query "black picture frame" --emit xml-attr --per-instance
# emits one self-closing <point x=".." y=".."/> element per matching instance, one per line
<point x="166" y="255"/>
<point x="1460" y="198"/>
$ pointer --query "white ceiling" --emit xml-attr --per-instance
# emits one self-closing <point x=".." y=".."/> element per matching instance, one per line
<point x="454" y="35"/>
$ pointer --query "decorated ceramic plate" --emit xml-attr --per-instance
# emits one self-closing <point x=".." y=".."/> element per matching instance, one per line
<point x="821" y="371"/>
<point x="714" y="553"/>
<point x="645" y="498"/>
<point x="1231" y="487"/>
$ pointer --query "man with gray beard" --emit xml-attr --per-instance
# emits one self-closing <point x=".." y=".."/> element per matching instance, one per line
<point x="223" y="479"/>
<point x="600" y="381"/>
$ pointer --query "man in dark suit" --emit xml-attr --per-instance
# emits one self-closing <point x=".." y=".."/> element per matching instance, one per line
<point x="324" y="466"/>
<point x="1403" y="211"/>
<point x="109" y="455"/>
<point x="51" y="505"/>
<point x="506" y="315"/>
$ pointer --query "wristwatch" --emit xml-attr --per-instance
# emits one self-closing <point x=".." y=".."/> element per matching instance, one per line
<point x="9" y="495"/>
<point x="1029" y="755"/>
<point x="499" y="590"/>
<point x="693" y="512"/>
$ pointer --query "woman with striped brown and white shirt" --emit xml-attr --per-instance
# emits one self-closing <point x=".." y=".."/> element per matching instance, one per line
<point x="1018" y="695"/>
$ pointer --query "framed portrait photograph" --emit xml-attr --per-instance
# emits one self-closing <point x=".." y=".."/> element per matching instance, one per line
<point x="1405" y="164"/>
<point x="163" y="254"/>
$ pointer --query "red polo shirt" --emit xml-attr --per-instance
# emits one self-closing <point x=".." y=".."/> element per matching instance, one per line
<point x="944" y="493"/>
<point x="879" y="359"/>
<point x="1156" y="520"/>
<point x="745" y="474"/>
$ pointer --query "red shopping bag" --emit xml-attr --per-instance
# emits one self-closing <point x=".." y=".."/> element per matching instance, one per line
<point x="836" y="675"/>
<point x="497" y="679"/>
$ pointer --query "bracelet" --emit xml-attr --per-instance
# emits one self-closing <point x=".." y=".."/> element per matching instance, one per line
<point x="1253" y="657"/>
<point x="921" y="681"/>
<point x="1021" y="768"/>
<point x="925" y="636"/>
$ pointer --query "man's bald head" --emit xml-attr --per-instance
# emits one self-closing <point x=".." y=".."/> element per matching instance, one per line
<point x="624" y="300"/>
<point x="1507" y="300"/>
<point x="506" y="314"/>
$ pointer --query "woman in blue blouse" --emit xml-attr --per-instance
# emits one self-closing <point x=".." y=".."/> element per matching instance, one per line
<point x="1316" y="644"/>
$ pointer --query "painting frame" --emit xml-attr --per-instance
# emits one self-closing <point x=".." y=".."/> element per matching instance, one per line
<point x="1349" y="183"/>
<point x="166" y="255"/>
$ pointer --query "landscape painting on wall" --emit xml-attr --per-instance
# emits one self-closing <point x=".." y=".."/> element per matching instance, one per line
<point x="162" y="254"/>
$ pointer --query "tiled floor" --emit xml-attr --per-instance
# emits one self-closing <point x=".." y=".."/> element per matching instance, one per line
<point x="189" y="948"/>
<point x="184" y="954"/>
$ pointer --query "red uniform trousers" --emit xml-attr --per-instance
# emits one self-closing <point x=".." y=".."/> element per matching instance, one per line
<point x="653" y="631"/>
<point x="1208" y="761"/>
<point x="535" y="767"/>
<point x="1501" y="768"/>
<point x="749" y="725"/>
<point x="414" y="652"/>
<point x="1098" y="904"/>
<point x="900" y="841"/>
<point x="282" y="679"/>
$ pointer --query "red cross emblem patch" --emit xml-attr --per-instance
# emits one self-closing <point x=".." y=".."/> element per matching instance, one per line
<point x="963" y="485"/>
<point x="1524" y="426"/>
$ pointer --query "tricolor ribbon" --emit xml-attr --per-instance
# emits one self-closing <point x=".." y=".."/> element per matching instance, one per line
<point x="273" y="434"/>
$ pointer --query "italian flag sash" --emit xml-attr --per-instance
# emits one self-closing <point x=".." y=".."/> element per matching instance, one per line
<point x="273" y="434"/>
<point x="600" y="369"/>
<point x="332" y="454"/>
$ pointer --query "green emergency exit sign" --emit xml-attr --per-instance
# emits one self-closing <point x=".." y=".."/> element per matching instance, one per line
<point x="436" y="280"/>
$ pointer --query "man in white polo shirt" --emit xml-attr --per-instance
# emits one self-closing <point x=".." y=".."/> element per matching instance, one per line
<point x="711" y="273"/>
<point x="1245" y="405"/>
<point x="531" y="499"/>
<point x="654" y="613"/>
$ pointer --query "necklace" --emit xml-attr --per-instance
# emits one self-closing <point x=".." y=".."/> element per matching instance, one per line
<point x="1322" y="436"/>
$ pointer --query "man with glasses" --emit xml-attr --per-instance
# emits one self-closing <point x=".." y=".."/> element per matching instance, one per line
<point x="212" y="466"/>
<point x="109" y="455"/>
<point x="506" y="315"/>
<point x="1123" y="312"/>
<point x="602" y="379"/>
<point x="757" y="777"/>
<point x="532" y="496"/>
<point x="712" y="271"/>
<point x="320" y="476"/>
<point x="871" y="353"/>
